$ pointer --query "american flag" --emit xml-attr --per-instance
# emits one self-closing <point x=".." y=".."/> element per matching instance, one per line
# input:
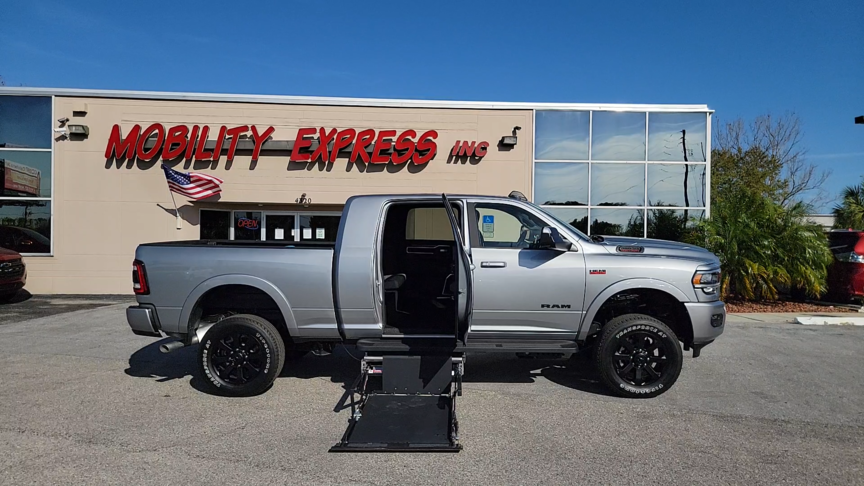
<point x="192" y="185"/>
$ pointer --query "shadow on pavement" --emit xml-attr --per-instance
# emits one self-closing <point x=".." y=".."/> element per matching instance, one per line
<point x="343" y="367"/>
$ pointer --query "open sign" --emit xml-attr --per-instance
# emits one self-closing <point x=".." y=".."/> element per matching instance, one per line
<point x="247" y="223"/>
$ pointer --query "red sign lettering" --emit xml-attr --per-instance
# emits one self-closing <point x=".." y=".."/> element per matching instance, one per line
<point x="368" y="146"/>
<point x="469" y="149"/>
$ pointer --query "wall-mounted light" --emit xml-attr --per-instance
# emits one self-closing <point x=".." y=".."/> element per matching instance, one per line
<point x="510" y="140"/>
<point x="305" y="201"/>
<point x="80" y="130"/>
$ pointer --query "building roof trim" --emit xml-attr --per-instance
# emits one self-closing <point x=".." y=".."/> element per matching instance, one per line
<point x="336" y="101"/>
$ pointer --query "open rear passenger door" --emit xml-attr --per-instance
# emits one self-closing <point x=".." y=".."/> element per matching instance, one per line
<point x="464" y="277"/>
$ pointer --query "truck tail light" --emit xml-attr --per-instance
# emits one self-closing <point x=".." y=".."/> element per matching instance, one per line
<point x="139" y="278"/>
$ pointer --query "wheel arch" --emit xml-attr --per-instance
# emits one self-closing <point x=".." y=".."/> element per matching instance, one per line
<point x="655" y="292"/>
<point x="199" y="294"/>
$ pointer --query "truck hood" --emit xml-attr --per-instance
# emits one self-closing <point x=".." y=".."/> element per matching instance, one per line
<point x="663" y="248"/>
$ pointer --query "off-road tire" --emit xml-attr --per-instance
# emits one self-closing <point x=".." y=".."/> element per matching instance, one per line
<point x="612" y="356"/>
<point x="240" y="356"/>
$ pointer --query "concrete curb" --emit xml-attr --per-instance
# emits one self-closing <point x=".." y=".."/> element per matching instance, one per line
<point x="829" y="321"/>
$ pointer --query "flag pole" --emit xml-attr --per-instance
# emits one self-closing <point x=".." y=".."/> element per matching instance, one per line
<point x="176" y="211"/>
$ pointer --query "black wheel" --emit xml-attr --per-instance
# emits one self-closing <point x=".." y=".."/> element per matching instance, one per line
<point x="638" y="356"/>
<point x="241" y="356"/>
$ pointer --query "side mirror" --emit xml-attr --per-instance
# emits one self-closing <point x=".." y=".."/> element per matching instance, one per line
<point x="550" y="239"/>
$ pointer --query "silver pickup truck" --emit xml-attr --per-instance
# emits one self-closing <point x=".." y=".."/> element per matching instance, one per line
<point x="413" y="274"/>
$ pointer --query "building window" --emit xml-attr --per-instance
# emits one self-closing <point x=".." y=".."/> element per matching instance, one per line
<point x="26" y="164"/>
<point x="221" y="224"/>
<point x="215" y="224"/>
<point x="623" y="173"/>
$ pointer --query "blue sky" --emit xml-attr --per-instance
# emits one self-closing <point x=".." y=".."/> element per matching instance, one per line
<point x="741" y="58"/>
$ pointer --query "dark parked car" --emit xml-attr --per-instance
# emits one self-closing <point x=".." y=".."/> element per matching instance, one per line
<point x="13" y="273"/>
<point x="846" y="272"/>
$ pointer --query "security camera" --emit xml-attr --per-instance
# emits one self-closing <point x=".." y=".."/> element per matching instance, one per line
<point x="59" y="130"/>
<point x="62" y="120"/>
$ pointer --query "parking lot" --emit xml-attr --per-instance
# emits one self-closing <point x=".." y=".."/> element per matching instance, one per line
<point x="85" y="401"/>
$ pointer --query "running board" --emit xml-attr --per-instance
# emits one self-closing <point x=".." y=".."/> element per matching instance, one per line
<point x="407" y="404"/>
<point x="416" y="346"/>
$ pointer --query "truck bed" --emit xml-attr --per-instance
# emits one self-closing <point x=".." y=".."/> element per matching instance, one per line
<point x="297" y="277"/>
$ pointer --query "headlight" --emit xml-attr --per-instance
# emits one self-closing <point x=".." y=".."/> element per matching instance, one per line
<point x="706" y="278"/>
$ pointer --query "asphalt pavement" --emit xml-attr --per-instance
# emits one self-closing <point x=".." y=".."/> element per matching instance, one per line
<point x="86" y="402"/>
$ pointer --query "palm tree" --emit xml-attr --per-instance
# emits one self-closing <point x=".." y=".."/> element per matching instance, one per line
<point x="850" y="212"/>
<point x="763" y="247"/>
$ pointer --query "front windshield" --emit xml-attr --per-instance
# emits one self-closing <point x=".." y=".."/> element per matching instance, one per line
<point x="560" y="222"/>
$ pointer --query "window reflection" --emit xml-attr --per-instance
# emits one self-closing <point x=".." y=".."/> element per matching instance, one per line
<point x="672" y="224"/>
<point x="561" y="135"/>
<point x="618" y="184"/>
<point x="618" y="222"/>
<point x="25" y="226"/>
<point x="25" y="173"/>
<point x="618" y="136"/>
<point x="680" y="185"/>
<point x="575" y="217"/>
<point x="678" y="137"/>
<point x="561" y="183"/>
<point x="25" y="122"/>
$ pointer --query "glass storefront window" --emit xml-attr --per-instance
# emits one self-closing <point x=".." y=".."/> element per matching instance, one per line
<point x="677" y="137"/>
<point x="279" y="227"/>
<point x="618" y="136"/>
<point x="215" y="225"/>
<point x="25" y="174"/>
<point x="680" y="185"/>
<point x="575" y="217"/>
<point x="321" y="228"/>
<point x="561" y="135"/>
<point x="618" y="184"/>
<point x="561" y="183"/>
<point x="25" y="122"/>
<point x="618" y="222"/>
<point x="25" y="226"/>
<point x="247" y="225"/>
<point x="672" y="224"/>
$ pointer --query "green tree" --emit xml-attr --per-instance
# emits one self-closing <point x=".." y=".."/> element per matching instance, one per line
<point x="764" y="246"/>
<point x="850" y="212"/>
<point x="766" y="156"/>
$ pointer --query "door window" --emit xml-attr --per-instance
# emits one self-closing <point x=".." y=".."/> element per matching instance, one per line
<point x="279" y="227"/>
<point x="506" y="226"/>
<point x="321" y="228"/>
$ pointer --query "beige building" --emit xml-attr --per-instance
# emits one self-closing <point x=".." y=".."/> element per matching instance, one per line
<point x="83" y="182"/>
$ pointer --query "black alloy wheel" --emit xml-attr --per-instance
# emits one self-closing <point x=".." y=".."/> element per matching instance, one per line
<point x="240" y="356"/>
<point x="638" y="356"/>
<point x="641" y="358"/>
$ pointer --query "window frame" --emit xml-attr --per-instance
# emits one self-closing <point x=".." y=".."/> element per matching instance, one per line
<point x="50" y="150"/>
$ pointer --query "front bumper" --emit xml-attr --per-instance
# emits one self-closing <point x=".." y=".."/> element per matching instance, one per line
<point x="143" y="321"/>
<point x="708" y="320"/>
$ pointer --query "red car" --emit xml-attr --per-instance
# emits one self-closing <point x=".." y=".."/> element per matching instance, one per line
<point x="13" y="273"/>
<point x="846" y="273"/>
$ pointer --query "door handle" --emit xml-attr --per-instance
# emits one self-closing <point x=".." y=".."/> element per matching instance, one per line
<point x="493" y="264"/>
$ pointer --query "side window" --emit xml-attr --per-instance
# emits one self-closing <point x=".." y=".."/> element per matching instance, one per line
<point x="506" y="226"/>
<point x="430" y="224"/>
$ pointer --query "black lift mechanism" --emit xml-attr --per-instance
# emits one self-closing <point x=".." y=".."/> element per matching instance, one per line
<point x="406" y="404"/>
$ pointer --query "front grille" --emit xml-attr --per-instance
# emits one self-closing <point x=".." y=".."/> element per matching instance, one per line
<point x="12" y="269"/>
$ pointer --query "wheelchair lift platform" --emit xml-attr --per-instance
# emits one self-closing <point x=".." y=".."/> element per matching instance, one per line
<point x="407" y="403"/>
